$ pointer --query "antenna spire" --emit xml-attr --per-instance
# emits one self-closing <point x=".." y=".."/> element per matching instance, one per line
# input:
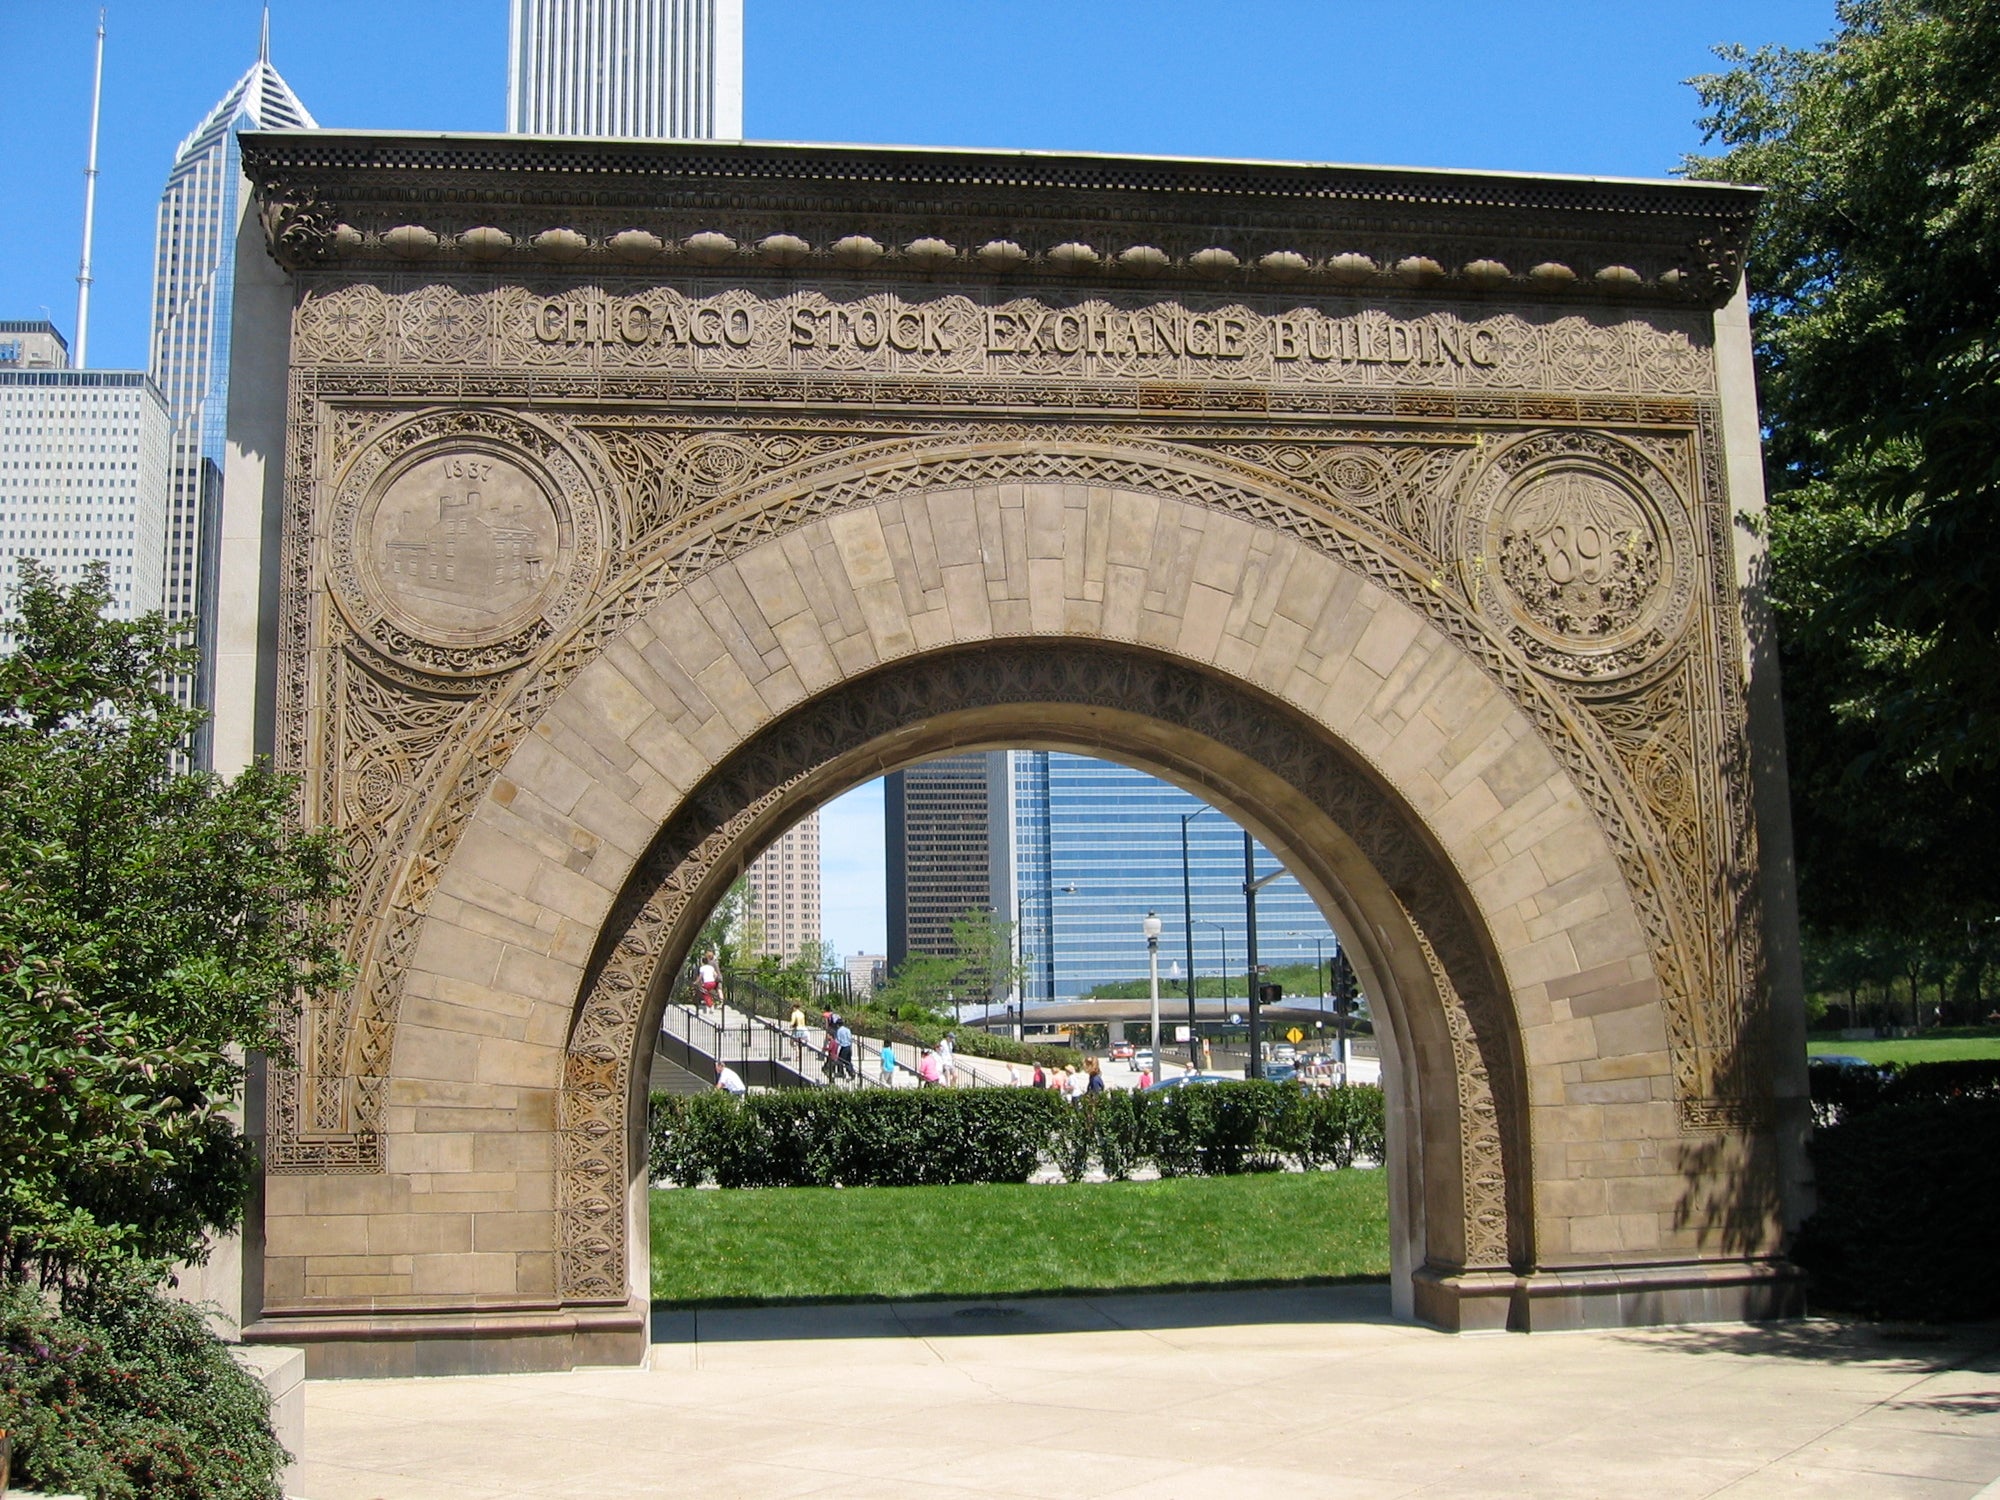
<point x="83" y="277"/>
<point x="264" y="42"/>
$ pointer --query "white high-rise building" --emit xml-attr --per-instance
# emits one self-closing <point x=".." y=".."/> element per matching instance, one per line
<point x="194" y="278"/>
<point x="83" y="472"/>
<point x="643" y="69"/>
<point x="784" y="906"/>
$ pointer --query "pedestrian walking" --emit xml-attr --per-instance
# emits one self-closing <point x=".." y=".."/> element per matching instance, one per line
<point x="844" y="1040"/>
<point x="889" y="1065"/>
<point x="711" y="981"/>
<point x="929" y="1070"/>
<point x="1041" y="1078"/>
<point x="1094" y="1079"/>
<point x="947" y="1049"/>
<point x="797" y="1022"/>
<point x="830" y="1048"/>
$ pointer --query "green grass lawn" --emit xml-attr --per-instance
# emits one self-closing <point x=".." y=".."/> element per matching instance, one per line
<point x="1946" y="1046"/>
<point x="990" y="1239"/>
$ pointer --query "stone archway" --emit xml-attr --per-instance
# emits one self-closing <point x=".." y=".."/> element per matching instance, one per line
<point x="586" y="576"/>
<point x="1367" y="859"/>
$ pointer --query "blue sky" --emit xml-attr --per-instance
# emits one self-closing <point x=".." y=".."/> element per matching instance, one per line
<point x="1587" y="86"/>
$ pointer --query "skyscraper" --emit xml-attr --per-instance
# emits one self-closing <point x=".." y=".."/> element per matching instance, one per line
<point x="947" y="842"/>
<point x="194" y="267"/>
<point x="784" y="891"/>
<point x="651" y="69"/>
<point x="83" y="470"/>
<point x="1097" y="845"/>
<point x="1075" y="851"/>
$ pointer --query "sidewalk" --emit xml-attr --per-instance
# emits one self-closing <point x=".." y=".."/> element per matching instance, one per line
<point x="1234" y="1394"/>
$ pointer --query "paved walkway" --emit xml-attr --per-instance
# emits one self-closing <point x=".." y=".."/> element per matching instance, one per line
<point x="1237" y="1395"/>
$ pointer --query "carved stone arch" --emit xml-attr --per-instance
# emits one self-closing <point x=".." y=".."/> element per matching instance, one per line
<point x="1327" y="808"/>
<point x="1463" y="534"/>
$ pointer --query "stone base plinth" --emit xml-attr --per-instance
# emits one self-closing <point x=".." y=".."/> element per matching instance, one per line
<point x="459" y="1341"/>
<point x="1636" y="1296"/>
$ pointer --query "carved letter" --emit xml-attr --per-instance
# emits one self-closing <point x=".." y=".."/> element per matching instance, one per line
<point x="738" y="327"/>
<point x="906" y="330"/>
<point x="1285" y="338"/>
<point x="803" y="333"/>
<point x="934" y="338"/>
<point x="549" y="320"/>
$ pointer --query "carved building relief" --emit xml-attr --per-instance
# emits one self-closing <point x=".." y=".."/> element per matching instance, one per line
<point x="501" y="459"/>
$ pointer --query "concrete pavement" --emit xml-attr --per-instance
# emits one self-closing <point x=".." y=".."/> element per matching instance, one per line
<point x="1237" y="1394"/>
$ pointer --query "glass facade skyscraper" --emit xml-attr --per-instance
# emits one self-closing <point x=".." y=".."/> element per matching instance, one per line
<point x="1097" y="845"/>
<point x="194" y="279"/>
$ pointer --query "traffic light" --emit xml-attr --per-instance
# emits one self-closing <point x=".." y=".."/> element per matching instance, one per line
<point x="1270" y="994"/>
<point x="1341" y="983"/>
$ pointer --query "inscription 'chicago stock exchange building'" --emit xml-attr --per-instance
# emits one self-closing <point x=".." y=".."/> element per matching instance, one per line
<point x="1019" y="329"/>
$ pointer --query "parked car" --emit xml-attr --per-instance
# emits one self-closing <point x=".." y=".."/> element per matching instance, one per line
<point x="1121" y="1051"/>
<point x="1841" y="1060"/>
<point x="1182" y="1080"/>
<point x="1281" y="1072"/>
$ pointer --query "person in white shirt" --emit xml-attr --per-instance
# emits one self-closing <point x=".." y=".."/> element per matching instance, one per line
<point x="945" y="1048"/>
<point x="728" y="1080"/>
<point x="711" y="982"/>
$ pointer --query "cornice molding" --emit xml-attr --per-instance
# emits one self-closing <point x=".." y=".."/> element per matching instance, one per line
<point x="496" y="203"/>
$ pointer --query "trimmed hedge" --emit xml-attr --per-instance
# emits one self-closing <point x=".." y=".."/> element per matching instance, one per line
<point x="128" y="1395"/>
<point x="1838" y="1093"/>
<point x="1908" y="1210"/>
<point x="825" y="1137"/>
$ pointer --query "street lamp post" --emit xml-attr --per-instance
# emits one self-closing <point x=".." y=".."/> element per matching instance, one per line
<point x="1252" y="884"/>
<point x="1187" y="919"/>
<point x="1152" y="931"/>
<point x="1222" y="936"/>
<point x="1020" y="961"/>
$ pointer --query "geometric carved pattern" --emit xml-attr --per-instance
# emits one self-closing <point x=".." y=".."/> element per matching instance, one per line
<point x="1482" y="1150"/>
<point x="653" y="923"/>
<point x="1694" y="974"/>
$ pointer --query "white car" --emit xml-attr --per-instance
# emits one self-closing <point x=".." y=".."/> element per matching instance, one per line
<point x="1284" y="1052"/>
<point x="1142" y="1061"/>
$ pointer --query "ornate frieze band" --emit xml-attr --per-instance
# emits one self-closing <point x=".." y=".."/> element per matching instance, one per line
<point x="709" y="327"/>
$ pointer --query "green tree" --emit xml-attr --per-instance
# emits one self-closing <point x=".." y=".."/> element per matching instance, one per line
<point x="155" y="924"/>
<point x="1875" y="285"/>
<point x="979" y="968"/>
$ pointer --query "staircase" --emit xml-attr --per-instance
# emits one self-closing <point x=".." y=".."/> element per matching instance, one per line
<point x="749" y="1034"/>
